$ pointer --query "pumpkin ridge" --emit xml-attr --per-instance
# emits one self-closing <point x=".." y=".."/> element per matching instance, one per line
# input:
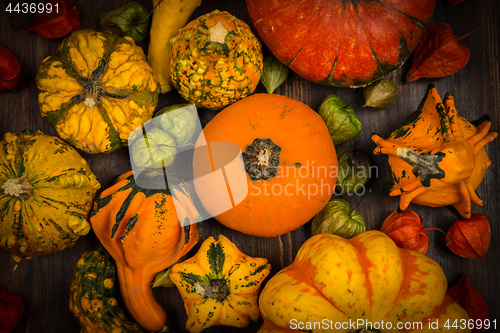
<point x="415" y="21"/>
<point x="381" y="68"/>
<point x="113" y="134"/>
<point x="100" y="70"/>
<point x="305" y="41"/>
<point x="361" y="252"/>
<point x="55" y="117"/>
<point x="71" y="71"/>
<point x="298" y="274"/>
<point x="123" y="210"/>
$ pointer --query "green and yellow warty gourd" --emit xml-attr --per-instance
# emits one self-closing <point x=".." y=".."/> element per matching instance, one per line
<point x="46" y="193"/>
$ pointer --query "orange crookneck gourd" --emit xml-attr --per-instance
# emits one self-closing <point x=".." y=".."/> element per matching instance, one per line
<point x="437" y="158"/>
<point x="146" y="228"/>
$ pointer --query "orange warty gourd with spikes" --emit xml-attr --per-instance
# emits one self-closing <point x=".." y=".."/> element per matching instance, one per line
<point x="436" y="157"/>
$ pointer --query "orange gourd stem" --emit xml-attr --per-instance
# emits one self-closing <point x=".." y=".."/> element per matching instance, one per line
<point x="145" y="231"/>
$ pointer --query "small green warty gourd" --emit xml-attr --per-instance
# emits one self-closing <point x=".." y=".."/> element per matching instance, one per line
<point x="94" y="293"/>
<point x="215" y="60"/>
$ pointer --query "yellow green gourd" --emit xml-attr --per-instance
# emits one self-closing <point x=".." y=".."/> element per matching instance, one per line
<point x="94" y="296"/>
<point x="215" y="60"/>
<point x="96" y="90"/>
<point x="46" y="193"/>
<point x="220" y="285"/>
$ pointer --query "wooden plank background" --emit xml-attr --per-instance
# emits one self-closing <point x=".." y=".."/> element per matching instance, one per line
<point x="43" y="282"/>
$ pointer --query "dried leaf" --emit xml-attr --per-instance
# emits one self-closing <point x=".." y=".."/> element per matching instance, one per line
<point x="470" y="238"/>
<point x="471" y="300"/>
<point x="406" y="230"/>
<point x="438" y="54"/>
<point x="162" y="279"/>
<point x="57" y="24"/>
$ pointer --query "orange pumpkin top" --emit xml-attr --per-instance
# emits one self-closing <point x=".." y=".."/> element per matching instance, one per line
<point x="341" y="42"/>
<point x="290" y="163"/>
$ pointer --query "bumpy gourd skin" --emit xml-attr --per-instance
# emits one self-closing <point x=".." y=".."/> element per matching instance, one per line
<point x="96" y="90"/>
<point x="46" y="193"/>
<point x="93" y="296"/>
<point x="215" y="60"/>
<point x="365" y="278"/>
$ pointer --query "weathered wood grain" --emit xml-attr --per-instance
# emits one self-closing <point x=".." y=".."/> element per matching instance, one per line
<point x="43" y="283"/>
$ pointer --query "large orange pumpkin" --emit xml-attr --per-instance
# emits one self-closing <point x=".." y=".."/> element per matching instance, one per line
<point x="341" y="42"/>
<point x="289" y="159"/>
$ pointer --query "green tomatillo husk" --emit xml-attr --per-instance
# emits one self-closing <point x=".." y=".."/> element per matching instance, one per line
<point x="355" y="168"/>
<point x="338" y="218"/>
<point x="273" y="74"/>
<point x="340" y="119"/>
<point x="155" y="149"/>
<point x="130" y="20"/>
<point x="179" y="121"/>
<point x="380" y="94"/>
